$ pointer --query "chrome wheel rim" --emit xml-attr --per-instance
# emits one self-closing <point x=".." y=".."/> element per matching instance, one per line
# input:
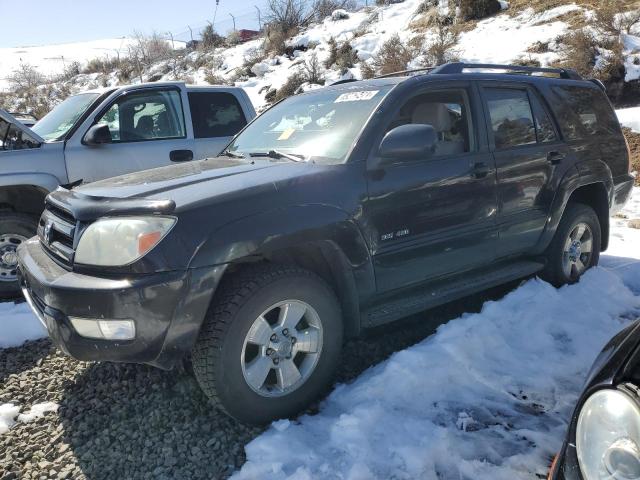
<point x="282" y="348"/>
<point x="8" y="257"/>
<point x="578" y="250"/>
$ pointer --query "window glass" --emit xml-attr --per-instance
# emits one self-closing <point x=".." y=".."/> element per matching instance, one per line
<point x="153" y="115"/>
<point x="320" y="125"/>
<point x="583" y="112"/>
<point x="57" y="123"/>
<point x="215" y="114"/>
<point x="447" y="112"/>
<point x="12" y="138"/>
<point x="544" y="125"/>
<point x="511" y="117"/>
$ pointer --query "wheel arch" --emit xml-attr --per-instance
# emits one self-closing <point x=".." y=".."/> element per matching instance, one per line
<point x="26" y="193"/>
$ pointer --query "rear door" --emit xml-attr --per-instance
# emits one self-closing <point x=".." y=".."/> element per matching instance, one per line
<point x="432" y="217"/>
<point x="528" y="152"/>
<point x="217" y="115"/>
<point x="148" y="129"/>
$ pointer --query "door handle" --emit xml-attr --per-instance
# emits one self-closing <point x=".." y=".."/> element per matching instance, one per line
<point x="181" y="155"/>
<point x="479" y="170"/>
<point x="555" y="158"/>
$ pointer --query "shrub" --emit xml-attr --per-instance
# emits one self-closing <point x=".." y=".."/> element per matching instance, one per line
<point x="425" y="6"/>
<point x="477" y="9"/>
<point x="341" y="55"/>
<point x="633" y="139"/>
<point x="442" y="48"/>
<point x="367" y="70"/>
<point x="101" y="65"/>
<point x="288" y="15"/>
<point x="210" y="39"/>
<point x="291" y="86"/>
<point x="313" y="70"/>
<point x="233" y="38"/>
<point x="213" y="78"/>
<point x="393" y="56"/>
<point x="275" y="40"/>
<point x="26" y="76"/>
<point x="611" y="18"/>
<point x="325" y="8"/>
<point x="527" y="61"/>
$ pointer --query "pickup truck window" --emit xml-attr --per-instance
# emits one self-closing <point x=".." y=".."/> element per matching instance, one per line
<point x="447" y="112"/>
<point x="145" y="115"/>
<point x="55" y="125"/>
<point x="319" y="125"/>
<point x="511" y="117"/>
<point x="215" y="114"/>
<point x="11" y="138"/>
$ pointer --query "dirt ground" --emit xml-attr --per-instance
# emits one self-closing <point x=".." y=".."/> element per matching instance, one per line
<point x="634" y="146"/>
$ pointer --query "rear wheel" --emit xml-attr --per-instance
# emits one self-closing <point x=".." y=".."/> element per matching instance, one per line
<point x="15" y="228"/>
<point x="270" y="343"/>
<point x="575" y="247"/>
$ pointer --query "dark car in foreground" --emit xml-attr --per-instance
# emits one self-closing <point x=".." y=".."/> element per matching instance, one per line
<point x="603" y="439"/>
<point x="336" y="210"/>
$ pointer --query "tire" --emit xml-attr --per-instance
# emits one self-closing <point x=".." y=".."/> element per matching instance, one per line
<point x="224" y="358"/>
<point x="14" y="229"/>
<point x="575" y="216"/>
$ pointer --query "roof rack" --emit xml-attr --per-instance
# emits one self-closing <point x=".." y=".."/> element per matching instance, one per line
<point x="346" y="80"/>
<point x="407" y="72"/>
<point x="458" y="67"/>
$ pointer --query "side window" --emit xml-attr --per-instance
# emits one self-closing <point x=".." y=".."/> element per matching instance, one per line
<point x="447" y="112"/>
<point x="583" y="112"/>
<point x="544" y="126"/>
<point x="511" y="117"/>
<point x="11" y="138"/>
<point x="215" y="114"/>
<point x="153" y="115"/>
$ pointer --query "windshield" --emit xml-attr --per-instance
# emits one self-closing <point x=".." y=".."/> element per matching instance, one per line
<point x="56" y="124"/>
<point x="320" y="126"/>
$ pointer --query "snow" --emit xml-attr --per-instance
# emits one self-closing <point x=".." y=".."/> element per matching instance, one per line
<point x="486" y="397"/>
<point x="9" y="412"/>
<point x="18" y="324"/>
<point x="631" y="52"/>
<point x="630" y="118"/>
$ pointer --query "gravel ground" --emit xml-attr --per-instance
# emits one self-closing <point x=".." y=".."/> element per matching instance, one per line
<point x="133" y="421"/>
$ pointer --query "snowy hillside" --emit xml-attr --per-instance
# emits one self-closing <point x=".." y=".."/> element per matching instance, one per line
<point x="531" y="35"/>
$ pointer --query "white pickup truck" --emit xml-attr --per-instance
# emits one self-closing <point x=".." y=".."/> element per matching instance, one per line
<point x="104" y="133"/>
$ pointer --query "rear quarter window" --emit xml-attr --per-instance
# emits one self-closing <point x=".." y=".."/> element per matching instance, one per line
<point x="215" y="114"/>
<point x="583" y="112"/>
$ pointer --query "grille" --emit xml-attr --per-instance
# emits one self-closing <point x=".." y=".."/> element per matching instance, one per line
<point x="56" y="231"/>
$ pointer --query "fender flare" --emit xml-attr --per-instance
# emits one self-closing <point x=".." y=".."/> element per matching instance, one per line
<point x="44" y="181"/>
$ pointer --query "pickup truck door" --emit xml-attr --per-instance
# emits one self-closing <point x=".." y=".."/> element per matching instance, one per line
<point x="432" y="217"/>
<point x="217" y="113"/>
<point x="150" y="127"/>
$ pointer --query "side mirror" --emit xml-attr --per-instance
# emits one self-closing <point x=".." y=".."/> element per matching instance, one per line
<point x="407" y="142"/>
<point x="98" y="135"/>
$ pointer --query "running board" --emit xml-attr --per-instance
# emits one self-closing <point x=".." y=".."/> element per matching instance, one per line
<point x="438" y="293"/>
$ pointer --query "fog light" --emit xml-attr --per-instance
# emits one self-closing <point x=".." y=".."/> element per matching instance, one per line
<point x="104" y="329"/>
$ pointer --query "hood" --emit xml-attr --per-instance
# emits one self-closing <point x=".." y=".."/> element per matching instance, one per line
<point x="190" y="182"/>
<point x="8" y="119"/>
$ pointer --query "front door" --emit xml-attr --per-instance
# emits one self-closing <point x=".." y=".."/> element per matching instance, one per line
<point x="433" y="217"/>
<point x="528" y="152"/>
<point x="147" y="128"/>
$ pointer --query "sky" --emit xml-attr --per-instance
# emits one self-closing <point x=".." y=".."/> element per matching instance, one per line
<point x="50" y="22"/>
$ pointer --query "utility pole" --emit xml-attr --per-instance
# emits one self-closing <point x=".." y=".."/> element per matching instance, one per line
<point x="215" y="13"/>
<point x="259" y="19"/>
<point x="234" y="21"/>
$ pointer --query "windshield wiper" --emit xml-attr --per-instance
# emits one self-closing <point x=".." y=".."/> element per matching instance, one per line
<point x="278" y="155"/>
<point x="229" y="153"/>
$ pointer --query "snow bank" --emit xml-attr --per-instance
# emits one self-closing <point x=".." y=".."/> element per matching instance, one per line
<point x="630" y="117"/>
<point x="487" y="397"/>
<point x="8" y="413"/>
<point x="37" y="411"/>
<point x="18" y="324"/>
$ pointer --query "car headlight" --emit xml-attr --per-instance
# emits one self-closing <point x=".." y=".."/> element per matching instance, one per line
<point x="118" y="241"/>
<point x="608" y="437"/>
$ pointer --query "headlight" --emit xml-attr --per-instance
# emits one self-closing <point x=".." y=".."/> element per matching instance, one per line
<point x="608" y="437"/>
<point x="117" y="241"/>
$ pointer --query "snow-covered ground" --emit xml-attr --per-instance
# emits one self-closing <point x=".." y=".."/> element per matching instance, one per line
<point x="486" y="397"/>
<point x="630" y="117"/>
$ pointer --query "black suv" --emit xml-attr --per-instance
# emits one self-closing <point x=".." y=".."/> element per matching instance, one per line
<point x="335" y="210"/>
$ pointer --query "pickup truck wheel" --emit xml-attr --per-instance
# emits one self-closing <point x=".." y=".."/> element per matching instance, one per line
<point x="575" y="247"/>
<point x="15" y="228"/>
<point x="270" y="343"/>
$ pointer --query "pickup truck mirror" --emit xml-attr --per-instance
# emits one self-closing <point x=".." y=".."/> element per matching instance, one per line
<point x="407" y="142"/>
<point x="97" y="135"/>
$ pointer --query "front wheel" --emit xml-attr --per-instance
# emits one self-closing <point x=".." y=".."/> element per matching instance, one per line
<point x="15" y="228"/>
<point x="575" y="247"/>
<point x="270" y="343"/>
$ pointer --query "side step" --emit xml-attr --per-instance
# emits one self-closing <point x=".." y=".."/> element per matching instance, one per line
<point x="444" y="291"/>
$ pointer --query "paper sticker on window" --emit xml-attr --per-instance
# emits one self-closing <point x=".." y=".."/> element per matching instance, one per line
<point x="286" y="134"/>
<point x="356" y="96"/>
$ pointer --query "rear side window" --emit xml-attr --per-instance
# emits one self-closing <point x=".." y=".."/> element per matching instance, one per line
<point x="583" y="112"/>
<point x="544" y="126"/>
<point x="511" y="117"/>
<point x="215" y="114"/>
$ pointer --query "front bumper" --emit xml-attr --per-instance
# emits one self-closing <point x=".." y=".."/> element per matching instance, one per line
<point x="167" y="307"/>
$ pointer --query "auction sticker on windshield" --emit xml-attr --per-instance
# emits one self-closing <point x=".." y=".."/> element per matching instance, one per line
<point x="356" y="96"/>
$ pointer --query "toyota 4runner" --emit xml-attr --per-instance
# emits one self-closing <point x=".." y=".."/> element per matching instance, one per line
<point x="336" y="210"/>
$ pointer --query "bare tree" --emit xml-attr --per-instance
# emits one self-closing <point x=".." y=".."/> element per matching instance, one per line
<point x="26" y="76"/>
<point x="288" y="14"/>
<point x="324" y="8"/>
<point x="313" y="70"/>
